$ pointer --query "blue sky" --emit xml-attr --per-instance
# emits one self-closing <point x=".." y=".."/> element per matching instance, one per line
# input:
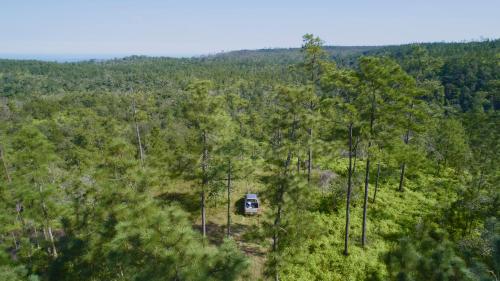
<point x="188" y="27"/>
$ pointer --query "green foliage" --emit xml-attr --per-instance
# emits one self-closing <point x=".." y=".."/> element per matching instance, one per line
<point x="129" y="246"/>
<point x="450" y="142"/>
<point x="103" y="165"/>
<point x="9" y="271"/>
<point x="428" y="255"/>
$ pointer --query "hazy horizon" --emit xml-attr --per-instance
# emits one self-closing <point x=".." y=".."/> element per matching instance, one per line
<point x="193" y="28"/>
<point x="68" y="57"/>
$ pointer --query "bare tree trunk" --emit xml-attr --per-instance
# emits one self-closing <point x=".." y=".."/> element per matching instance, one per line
<point x="367" y="176"/>
<point x="19" y="210"/>
<point x="376" y="182"/>
<point x="25" y="231"/>
<point x="406" y="141"/>
<point x="277" y="220"/>
<point x="349" y="189"/>
<point x="355" y="152"/>
<point x="403" y="166"/>
<point x="365" y="201"/>
<point x="280" y="195"/>
<point x="36" y="237"/>
<point x="309" y="156"/>
<point x="51" y="236"/>
<point x="16" y="245"/>
<point x="229" y="200"/>
<point x="203" y="212"/>
<point x="48" y="231"/>
<point x="298" y="165"/>
<point x="45" y="235"/>
<point x="204" y="183"/>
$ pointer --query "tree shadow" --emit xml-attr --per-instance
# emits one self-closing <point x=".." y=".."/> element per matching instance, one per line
<point x="187" y="201"/>
<point x="248" y="237"/>
<point x="215" y="232"/>
<point x="239" y="206"/>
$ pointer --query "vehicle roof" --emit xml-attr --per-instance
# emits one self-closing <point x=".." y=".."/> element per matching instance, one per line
<point x="251" y="196"/>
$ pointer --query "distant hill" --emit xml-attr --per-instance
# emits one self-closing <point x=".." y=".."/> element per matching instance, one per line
<point x="291" y="55"/>
<point x="340" y="53"/>
<point x="469" y="72"/>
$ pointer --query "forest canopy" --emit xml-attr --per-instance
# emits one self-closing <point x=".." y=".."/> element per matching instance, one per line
<point x="371" y="163"/>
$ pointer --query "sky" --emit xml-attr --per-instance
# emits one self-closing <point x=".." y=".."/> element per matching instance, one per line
<point x="186" y="27"/>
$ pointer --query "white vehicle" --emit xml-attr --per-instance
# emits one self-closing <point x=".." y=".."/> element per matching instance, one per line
<point x="251" y="204"/>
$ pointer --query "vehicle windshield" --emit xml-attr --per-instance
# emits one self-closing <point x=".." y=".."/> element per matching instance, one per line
<point x="252" y="203"/>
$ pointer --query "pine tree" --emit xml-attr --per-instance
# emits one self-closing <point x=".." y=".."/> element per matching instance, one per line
<point x="288" y="119"/>
<point x="313" y="59"/>
<point x="343" y="84"/>
<point x="205" y="115"/>
<point x="415" y="97"/>
<point x="380" y="80"/>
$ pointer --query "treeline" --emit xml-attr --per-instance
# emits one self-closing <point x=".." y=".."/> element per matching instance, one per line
<point x="376" y="167"/>
<point x="467" y="71"/>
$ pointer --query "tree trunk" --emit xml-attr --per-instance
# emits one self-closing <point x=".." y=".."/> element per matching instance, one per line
<point x="47" y="227"/>
<point x="45" y="235"/>
<point x="309" y="156"/>
<point x="349" y="188"/>
<point x="51" y="236"/>
<point x="19" y="210"/>
<point x="16" y="245"/>
<point x="376" y="182"/>
<point x="36" y="237"/>
<point x="280" y="195"/>
<point x="229" y="200"/>
<point x="137" y="131"/>
<point x="403" y="166"/>
<point x="277" y="220"/>
<point x="365" y="201"/>
<point x="204" y="183"/>
<point x="298" y="165"/>
<point x="203" y="214"/>
<point x="355" y="152"/>
<point x="355" y="160"/>
<point x="25" y="230"/>
<point x="367" y="175"/>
